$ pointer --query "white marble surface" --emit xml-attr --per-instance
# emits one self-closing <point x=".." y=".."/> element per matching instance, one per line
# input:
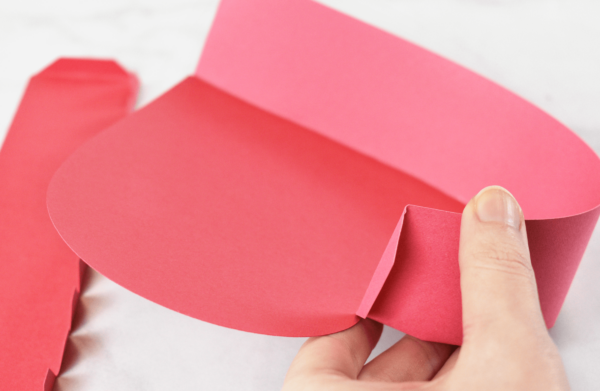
<point x="546" y="50"/>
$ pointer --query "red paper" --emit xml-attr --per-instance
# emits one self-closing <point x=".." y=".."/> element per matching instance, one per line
<point x="233" y="215"/>
<point x="314" y="171"/>
<point x="63" y="106"/>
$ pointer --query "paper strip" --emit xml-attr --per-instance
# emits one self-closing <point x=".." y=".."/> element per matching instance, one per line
<point x="63" y="106"/>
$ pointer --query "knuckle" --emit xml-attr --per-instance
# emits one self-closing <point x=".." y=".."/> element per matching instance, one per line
<point x="382" y="375"/>
<point x="511" y="259"/>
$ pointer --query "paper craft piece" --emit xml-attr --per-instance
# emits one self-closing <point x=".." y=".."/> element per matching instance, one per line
<point x="314" y="170"/>
<point x="63" y="106"/>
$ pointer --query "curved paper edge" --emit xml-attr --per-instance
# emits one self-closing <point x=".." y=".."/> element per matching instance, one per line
<point x="58" y="208"/>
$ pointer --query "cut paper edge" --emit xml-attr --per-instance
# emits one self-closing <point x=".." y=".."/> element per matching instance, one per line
<point x="98" y="69"/>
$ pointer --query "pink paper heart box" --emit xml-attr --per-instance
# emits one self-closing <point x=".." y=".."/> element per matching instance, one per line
<point x="313" y="172"/>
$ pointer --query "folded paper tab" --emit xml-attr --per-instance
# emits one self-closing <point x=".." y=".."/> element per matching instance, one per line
<point x="314" y="170"/>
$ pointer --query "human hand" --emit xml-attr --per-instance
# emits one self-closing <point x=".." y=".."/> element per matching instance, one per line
<point x="506" y="345"/>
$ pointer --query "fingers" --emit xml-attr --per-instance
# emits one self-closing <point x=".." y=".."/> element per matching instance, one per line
<point x="410" y="359"/>
<point x="341" y="355"/>
<point x="498" y="287"/>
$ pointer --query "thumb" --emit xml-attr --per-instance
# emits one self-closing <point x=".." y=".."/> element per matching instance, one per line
<point x="499" y="292"/>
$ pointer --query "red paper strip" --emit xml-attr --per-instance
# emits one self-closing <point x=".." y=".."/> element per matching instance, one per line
<point x="313" y="172"/>
<point x="63" y="106"/>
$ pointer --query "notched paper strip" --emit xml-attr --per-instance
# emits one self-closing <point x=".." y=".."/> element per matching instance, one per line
<point x="63" y="106"/>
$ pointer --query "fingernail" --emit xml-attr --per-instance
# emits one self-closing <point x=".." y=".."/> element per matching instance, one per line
<point x="496" y="205"/>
